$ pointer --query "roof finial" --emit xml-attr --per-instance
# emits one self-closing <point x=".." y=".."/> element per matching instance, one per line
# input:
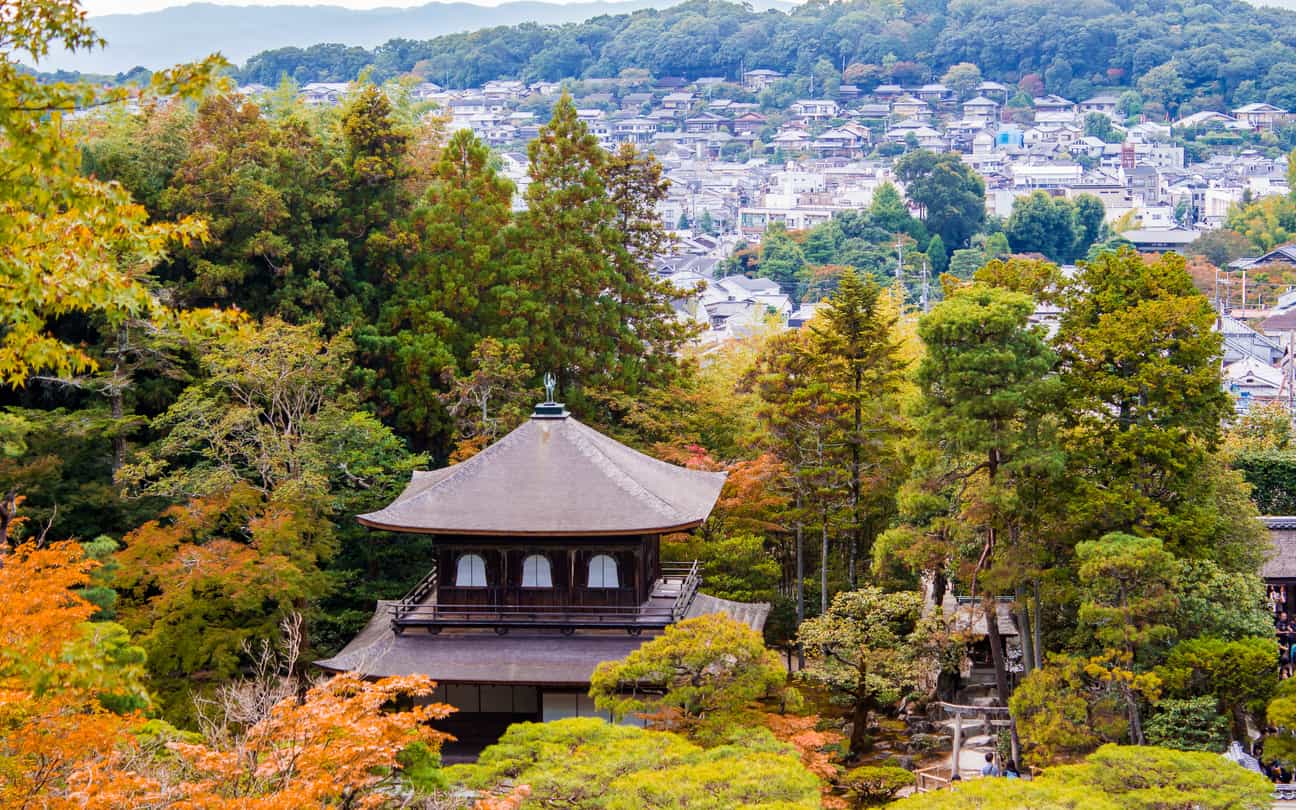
<point x="549" y="409"/>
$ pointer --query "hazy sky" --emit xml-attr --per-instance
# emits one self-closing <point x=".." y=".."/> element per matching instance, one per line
<point x="137" y="6"/>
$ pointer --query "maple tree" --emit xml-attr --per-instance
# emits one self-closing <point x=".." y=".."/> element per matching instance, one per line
<point x="57" y="736"/>
<point x="70" y="244"/>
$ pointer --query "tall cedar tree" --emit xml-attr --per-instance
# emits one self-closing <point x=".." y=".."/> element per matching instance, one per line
<point x="635" y="187"/>
<point x="584" y="308"/>
<point x="806" y="429"/>
<point x="450" y="297"/>
<point x="1140" y="367"/>
<point x="854" y="342"/>
<point x="376" y="194"/>
<point x="571" y="327"/>
<point x="983" y="380"/>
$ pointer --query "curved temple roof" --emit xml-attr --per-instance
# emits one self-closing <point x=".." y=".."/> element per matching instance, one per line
<point x="553" y="476"/>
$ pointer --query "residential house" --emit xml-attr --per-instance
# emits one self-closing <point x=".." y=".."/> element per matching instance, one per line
<point x="707" y="122"/>
<point x="888" y="92"/>
<point x="759" y="79"/>
<point x="909" y="107"/>
<point x="981" y="110"/>
<point x="1260" y="116"/>
<point x="678" y="102"/>
<point x="748" y="123"/>
<point x="635" y="101"/>
<point x="1104" y="105"/>
<point x="815" y="109"/>
<point x="934" y="93"/>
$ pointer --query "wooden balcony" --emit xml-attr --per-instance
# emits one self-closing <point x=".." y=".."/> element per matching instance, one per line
<point x="503" y="609"/>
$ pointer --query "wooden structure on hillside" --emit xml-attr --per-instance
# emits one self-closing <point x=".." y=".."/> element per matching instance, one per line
<point x="547" y="563"/>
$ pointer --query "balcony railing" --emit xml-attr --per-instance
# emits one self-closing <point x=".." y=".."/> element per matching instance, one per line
<point x="669" y="602"/>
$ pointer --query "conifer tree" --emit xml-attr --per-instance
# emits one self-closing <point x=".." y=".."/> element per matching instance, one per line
<point x="375" y="192"/>
<point x="984" y="384"/>
<point x="859" y="356"/>
<point x="635" y="187"/>
<point x="566" y="323"/>
<point x="584" y="305"/>
<point x="451" y="295"/>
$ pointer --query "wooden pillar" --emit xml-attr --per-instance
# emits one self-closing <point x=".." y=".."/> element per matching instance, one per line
<point x="958" y="743"/>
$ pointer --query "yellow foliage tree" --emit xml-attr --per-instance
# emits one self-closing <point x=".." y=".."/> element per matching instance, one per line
<point x="68" y="244"/>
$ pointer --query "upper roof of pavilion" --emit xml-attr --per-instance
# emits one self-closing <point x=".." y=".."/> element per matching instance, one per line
<point x="553" y="476"/>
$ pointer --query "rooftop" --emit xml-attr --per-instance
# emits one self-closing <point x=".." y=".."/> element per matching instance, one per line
<point x="553" y="476"/>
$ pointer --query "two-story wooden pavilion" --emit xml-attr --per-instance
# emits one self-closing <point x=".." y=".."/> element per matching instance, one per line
<point x="547" y="563"/>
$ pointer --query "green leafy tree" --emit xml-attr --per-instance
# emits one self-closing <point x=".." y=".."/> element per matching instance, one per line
<point x="888" y="211"/>
<point x="491" y="400"/>
<point x="1144" y="405"/>
<point x="951" y="195"/>
<point x="1043" y="224"/>
<point x="1239" y="675"/>
<point x="1100" y="126"/>
<point x="962" y="78"/>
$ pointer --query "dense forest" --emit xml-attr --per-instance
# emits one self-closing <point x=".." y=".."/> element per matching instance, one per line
<point x="1199" y="54"/>
<point x="229" y="327"/>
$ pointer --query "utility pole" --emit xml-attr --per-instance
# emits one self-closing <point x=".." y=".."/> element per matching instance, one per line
<point x="923" y="300"/>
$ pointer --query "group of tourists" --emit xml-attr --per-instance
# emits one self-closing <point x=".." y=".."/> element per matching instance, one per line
<point x="1284" y="630"/>
<point x="1008" y="770"/>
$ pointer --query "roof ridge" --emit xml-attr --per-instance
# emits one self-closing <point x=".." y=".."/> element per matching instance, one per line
<point x="622" y="479"/>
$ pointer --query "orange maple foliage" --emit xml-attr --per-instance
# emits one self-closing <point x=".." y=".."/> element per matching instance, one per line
<point x="55" y="737"/>
<point x="337" y="746"/>
<point x="800" y="733"/>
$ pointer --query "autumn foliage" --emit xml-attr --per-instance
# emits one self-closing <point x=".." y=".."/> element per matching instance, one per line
<point x="334" y="745"/>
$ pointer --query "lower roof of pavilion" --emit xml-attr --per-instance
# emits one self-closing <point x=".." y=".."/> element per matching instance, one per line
<point x="532" y="656"/>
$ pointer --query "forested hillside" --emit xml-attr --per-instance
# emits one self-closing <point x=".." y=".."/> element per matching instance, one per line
<point x="1227" y="50"/>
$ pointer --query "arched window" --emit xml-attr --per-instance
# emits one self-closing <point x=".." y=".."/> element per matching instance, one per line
<point x="536" y="572"/>
<point x="603" y="572"/>
<point x="470" y="572"/>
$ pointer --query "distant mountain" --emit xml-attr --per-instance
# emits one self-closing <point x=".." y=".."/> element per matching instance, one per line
<point x="184" y="33"/>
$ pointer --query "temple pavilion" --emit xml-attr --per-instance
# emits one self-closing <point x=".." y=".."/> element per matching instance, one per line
<point x="546" y="563"/>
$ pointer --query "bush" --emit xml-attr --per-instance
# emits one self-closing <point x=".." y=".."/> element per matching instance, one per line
<point x="874" y="785"/>
<point x="1194" y="724"/>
